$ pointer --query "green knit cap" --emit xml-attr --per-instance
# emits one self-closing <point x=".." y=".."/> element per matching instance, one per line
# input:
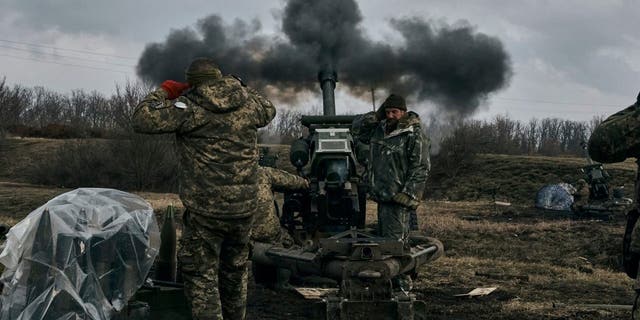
<point x="202" y="70"/>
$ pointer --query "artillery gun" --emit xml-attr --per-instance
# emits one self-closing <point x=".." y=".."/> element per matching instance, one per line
<point x="327" y="222"/>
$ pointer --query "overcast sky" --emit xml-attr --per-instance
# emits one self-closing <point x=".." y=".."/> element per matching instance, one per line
<point x="571" y="59"/>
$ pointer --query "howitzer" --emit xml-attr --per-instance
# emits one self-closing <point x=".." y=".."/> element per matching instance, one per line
<point x="327" y="222"/>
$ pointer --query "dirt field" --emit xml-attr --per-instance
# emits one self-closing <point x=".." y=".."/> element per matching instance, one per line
<point x="545" y="265"/>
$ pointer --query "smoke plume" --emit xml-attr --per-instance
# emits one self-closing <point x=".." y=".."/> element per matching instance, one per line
<point x="454" y="67"/>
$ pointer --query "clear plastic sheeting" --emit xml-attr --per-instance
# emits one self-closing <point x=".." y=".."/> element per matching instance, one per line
<point x="82" y="255"/>
<point x="555" y="197"/>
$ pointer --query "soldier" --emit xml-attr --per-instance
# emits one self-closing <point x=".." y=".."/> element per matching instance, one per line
<point x="266" y="227"/>
<point x="215" y="119"/>
<point x="614" y="140"/>
<point x="398" y="163"/>
<point x="580" y="196"/>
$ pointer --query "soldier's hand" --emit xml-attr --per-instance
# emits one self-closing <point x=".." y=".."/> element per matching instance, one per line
<point x="405" y="200"/>
<point x="306" y="183"/>
<point x="174" y="88"/>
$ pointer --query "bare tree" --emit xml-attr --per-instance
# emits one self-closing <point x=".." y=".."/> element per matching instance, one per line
<point x="123" y="103"/>
<point x="284" y="128"/>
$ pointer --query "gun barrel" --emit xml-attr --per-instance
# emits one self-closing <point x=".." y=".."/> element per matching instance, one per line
<point x="328" y="81"/>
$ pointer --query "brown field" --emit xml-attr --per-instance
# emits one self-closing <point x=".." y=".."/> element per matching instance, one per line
<point x="546" y="265"/>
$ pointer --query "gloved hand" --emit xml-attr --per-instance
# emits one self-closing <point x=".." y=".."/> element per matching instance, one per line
<point x="174" y="88"/>
<point x="405" y="200"/>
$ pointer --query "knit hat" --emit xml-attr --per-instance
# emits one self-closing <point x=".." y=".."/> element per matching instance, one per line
<point x="394" y="101"/>
<point x="202" y="70"/>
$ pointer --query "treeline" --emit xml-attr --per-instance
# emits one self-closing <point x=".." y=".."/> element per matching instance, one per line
<point x="40" y="112"/>
<point x="145" y="162"/>
<point x="457" y="143"/>
<point x="124" y="159"/>
<point x="502" y="135"/>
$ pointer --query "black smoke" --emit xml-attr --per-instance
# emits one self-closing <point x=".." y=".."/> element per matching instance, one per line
<point x="453" y="66"/>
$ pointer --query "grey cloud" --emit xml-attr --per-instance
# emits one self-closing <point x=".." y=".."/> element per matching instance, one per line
<point x="570" y="38"/>
<point x="138" y="20"/>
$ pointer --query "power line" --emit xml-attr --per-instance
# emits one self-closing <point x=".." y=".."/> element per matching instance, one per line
<point x="64" y="64"/>
<point x="71" y="50"/>
<point x="559" y="103"/>
<point x="69" y="57"/>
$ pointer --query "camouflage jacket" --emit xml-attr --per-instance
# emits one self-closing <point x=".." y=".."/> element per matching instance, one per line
<point x="398" y="161"/>
<point x="617" y="137"/>
<point x="216" y="127"/>
<point x="266" y="226"/>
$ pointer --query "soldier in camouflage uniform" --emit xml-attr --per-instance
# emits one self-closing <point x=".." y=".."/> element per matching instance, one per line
<point x="398" y="163"/>
<point x="266" y="227"/>
<point x="614" y="140"/>
<point x="580" y="196"/>
<point x="215" y="119"/>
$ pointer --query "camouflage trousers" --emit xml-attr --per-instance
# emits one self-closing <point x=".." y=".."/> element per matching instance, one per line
<point x="393" y="221"/>
<point x="213" y="257"/>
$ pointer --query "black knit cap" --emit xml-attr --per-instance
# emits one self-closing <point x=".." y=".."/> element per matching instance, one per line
<point x="394" y="101"/>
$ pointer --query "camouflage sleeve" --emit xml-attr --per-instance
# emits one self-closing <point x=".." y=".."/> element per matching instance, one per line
<point x="265" y="110"/>
<point x="617" y="137"/>
<point x="156" y="114"/>
<point x="418" y="148"/>
<point x="282" y="180"/>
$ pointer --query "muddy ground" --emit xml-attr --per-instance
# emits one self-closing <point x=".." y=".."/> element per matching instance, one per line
<point x="546" y="265"/>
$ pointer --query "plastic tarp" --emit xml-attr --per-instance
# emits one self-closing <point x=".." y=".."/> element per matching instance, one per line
<point x="81" y="255"/>
<point x="555" y="197"/>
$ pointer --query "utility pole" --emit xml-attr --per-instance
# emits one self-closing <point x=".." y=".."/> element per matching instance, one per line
<point x="373" y="98"/>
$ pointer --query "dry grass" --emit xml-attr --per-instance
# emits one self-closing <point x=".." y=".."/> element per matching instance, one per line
<point x="535" y="258"/>
<point x="18" y="154"/>
<point x="19" y="199"/>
